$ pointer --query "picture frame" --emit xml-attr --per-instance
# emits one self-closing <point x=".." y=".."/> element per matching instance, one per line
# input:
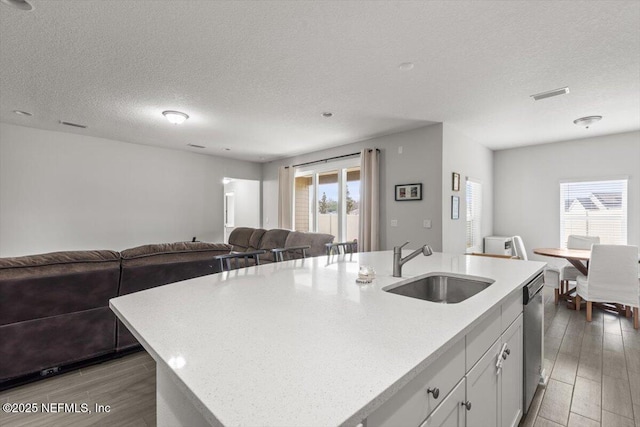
<point x="455" y="207"/>
<point x="455" y="181"/>
<point x="408" y="192"/>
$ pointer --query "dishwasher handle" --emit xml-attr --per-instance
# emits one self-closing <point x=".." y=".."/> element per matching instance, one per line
<point x="532" y="289"/>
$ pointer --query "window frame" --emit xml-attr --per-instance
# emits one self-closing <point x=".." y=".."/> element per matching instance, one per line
<point x="597" y="179"/>
<point x="476" y="223"/>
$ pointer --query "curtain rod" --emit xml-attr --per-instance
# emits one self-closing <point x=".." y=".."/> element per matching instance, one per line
<point x="330" y="158"/>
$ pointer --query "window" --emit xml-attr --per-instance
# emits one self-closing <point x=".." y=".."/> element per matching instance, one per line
<point x="594" y="208"/>
<point x="327" y="198"/>
<point x="474" y="216"/>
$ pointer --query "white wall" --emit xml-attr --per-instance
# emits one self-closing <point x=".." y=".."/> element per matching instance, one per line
<point x="61" y="191"/>
<point x="420" y="161"/>
<point x="463" y="155"/>
<point x="527" y="184"/>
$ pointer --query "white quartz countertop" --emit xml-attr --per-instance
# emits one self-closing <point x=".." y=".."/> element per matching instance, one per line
<point x="299" y="343"/>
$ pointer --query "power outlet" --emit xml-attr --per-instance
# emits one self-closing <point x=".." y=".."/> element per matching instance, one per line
<point x="394" y="222"/>
<point x="426" y="223"/>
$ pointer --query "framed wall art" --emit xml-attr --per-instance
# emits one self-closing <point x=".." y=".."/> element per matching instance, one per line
<point x="455" y="207"/>
<point x="455" y="182"/>
<point x="406" y="192"/>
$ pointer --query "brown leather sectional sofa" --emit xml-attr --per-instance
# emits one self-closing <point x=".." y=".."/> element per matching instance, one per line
<point x="54" y="308"/>
<point x="247" y="239"/>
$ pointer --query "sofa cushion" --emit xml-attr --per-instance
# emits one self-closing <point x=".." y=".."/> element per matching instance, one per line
<point x="317" y="242"/>
<point x="40" y="286"/>
<point x="157" y="249"/>
<point x="256" y="238"/>
<point x="272" y="239"/>
<point x="148" y="266"/>
<point x="245" y="239"/>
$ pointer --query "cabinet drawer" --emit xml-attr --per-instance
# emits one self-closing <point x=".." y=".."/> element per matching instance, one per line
<point x="480" y="338"/>
<point x="412" y="404"/>
<point x="451" y="413"/>
<point x="511" y="309"/>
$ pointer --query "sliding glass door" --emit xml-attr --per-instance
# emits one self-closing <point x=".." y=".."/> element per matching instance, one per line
<point x="327" y="198"/>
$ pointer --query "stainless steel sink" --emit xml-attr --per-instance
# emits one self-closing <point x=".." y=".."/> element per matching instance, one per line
<point x="443" y="289"/>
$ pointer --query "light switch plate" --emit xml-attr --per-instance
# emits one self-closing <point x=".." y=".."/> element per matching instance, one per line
<point x="426" y="223"/>
<point x="394" y="222"/>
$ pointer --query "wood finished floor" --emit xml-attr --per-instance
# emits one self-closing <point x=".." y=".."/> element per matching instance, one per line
<point x="128" y="385"/>
<point x="594" y="368"/>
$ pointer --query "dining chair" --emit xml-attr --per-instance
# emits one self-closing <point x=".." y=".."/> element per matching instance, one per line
<point x="551" y="273"/>
<point x="613" y="278"/>
<point x="569" y="273"/>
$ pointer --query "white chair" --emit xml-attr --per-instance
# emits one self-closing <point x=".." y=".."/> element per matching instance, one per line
<point x="569" y="273"/>
<point x="551" y="274"/>
<point x="613" y="278"/>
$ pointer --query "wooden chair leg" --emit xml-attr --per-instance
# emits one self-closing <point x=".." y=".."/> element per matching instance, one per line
<point x="589" y="307"/>
<point x="627" y="311"/>
<point x="636" y="321"/>
<point x="556" y="294"/>
<point x="578" y="301"/>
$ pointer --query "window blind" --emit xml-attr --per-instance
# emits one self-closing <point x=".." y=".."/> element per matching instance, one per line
<point x="594" y="208"/>
<point x="474" y="215"/>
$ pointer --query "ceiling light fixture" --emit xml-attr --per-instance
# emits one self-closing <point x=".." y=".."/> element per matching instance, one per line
<point x="175" y="117"/>
<point x="587" y="121"/>
<point x="406" y="66"/>
<point x="327" y="114"/>
<point x="23" y="113"/>
<point x="18" y="4"/>
<point x="550" y="93"/>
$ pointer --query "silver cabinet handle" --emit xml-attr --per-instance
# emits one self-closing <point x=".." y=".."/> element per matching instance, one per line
<point x="435" y="391"/>
<point x="467" y="405"/>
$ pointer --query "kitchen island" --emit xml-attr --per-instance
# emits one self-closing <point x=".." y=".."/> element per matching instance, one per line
<point x="299" y="343"/>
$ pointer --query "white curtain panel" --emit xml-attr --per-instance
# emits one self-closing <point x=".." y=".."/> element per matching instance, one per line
<point x="369" y="233"/>
<point x="285" y="197"/>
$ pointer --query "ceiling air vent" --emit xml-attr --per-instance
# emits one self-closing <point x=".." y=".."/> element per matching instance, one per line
<point x="75" y="125"/>
<point x="196" y="146"/>
<point x="550" y="93"/>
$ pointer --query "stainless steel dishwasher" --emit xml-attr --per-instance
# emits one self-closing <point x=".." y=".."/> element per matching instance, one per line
<point x="533" y="316"/>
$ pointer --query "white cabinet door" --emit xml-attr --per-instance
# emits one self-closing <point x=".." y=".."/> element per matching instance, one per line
<point x="483" y="390"/>
<point x="451" y="412"/>
<point x="511" y="376"/>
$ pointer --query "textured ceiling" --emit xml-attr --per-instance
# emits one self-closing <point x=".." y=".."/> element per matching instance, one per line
<point x="256" y="76"/>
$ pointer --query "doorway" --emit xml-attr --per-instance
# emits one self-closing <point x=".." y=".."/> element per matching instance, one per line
<point x="241" y="204"/>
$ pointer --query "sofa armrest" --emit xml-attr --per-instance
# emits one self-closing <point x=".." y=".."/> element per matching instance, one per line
<point x="278" y="253"/>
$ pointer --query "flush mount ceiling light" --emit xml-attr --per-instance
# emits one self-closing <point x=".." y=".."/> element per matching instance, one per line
<point x="175" y="117"/>
<point x="406" y="66"/>
<point x="587" y="121"/>
<point x="18" y="4"/>
<point x="327" y="114"/>
<point x="23" y="113"/>
<point x="550" y="93"/>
